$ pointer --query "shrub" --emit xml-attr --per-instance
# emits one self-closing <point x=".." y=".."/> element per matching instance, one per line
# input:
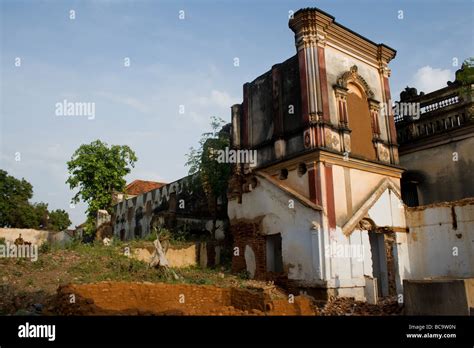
<point x="45" y="248"/>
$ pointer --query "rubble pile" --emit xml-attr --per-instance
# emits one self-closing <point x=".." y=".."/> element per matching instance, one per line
<point x="349" y="306"/>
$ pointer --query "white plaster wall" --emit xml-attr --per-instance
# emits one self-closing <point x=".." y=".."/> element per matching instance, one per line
<point x="298" y="183"/>
<point x="348" y="269"/>
<point x="402" y="260"/>
<point x="388" y="211"/>
<point x="30" y="235"/>
<point x="307" y="251"/>
<point x="340" y="194"/>
<point x="301" y="250"/>
<point x="363" y="184"/>
<point x="433" y="242"/>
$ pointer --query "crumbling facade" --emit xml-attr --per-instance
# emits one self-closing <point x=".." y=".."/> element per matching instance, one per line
<point x="437" y="141"/>
<point x="437" y="149"/>
<point x="180" y="206"/>
<point x="321" y="207"/>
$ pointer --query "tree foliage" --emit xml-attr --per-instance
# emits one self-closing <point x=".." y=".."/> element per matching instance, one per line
<point x="17" y="212"/>
<point x="58" y="220"/>
<point x="98" y="170"/>
<point x="14" y="196"/>
<point x="202" y="161"/>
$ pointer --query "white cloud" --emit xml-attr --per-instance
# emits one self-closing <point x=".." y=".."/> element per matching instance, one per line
<point x="217" y="98"/>
<point x="428" y="79"/>
<point x="132" y="102"/>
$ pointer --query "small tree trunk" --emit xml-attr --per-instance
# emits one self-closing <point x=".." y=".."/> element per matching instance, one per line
<point x="159" y="260"/>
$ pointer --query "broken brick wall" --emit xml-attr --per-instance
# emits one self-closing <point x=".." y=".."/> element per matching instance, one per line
<point x="248" y="233"/>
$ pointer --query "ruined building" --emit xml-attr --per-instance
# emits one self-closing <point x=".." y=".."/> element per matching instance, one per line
<point x="321" y="207"/>
<point x="437" y="150"/>
<point x="180" y="206"/>
<point x="437" y="141"/>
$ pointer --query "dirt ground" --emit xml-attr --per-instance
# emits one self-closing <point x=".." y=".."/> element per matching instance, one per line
<point x="125" y="298"/>
<point x="104" y="282"/>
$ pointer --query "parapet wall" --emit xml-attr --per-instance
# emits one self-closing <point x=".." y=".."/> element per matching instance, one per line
<point x="441" y="240"/>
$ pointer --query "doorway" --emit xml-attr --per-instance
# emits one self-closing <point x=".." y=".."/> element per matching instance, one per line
<point x="274" y="256"/>
<point x="383" y="265"/>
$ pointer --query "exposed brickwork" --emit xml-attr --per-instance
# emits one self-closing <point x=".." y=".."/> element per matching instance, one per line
<point x="247" y="233"/>
<point x="389" y="241"/>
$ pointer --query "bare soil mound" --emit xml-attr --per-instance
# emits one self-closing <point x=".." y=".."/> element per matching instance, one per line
<point x="131" y="298"/>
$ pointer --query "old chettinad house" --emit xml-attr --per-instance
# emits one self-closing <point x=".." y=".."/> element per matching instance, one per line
<point x="321" y="208"/>
<point x="436" y="136"/>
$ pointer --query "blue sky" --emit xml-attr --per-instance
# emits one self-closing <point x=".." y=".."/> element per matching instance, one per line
<point x="176" y="62"/>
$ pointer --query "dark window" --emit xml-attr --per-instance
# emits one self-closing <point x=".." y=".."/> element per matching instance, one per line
<point x="410" y="194"/>
<point x="301" y="169"/>
<point x="283" y="174"/>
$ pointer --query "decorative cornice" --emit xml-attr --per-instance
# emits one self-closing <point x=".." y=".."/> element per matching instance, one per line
<point x="315" y="27"/>
<point x="353" y="76"/>
<point x="309" y="26"/>
<point x="374" y="104"/>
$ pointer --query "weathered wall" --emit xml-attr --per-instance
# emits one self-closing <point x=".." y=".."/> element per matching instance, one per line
<point x="182" y="257"/>
<point x="437" y="167"/>
<point x="37" y="237"/>
<point x="441" y="240"/>
<point x="177" y="257"/>
<point x="351" y="268"/>
<point x="271" y="108"/>
<point x="266" y="211"/>
<point x="439" y="297"/>
<point x="175" y="206"/>
<point x="312" y="254"/>
<point x="352" y="187"/>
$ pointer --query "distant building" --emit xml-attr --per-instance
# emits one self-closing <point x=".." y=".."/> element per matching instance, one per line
<point x="437" y="141"/>
<point x="136" y="188"/>
<point x="177" y="206"/>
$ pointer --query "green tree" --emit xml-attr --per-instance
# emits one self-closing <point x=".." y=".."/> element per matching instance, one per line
<point x="14" y="196"/>
<point x="15" y="209"/>
<point x="203" y="161"/>
<point x="97" y="170"/>
<point x="40" y="215"/>
<point x="58" y="220"/>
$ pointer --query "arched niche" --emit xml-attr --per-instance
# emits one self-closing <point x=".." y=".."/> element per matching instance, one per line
<point x="358" y="112"/>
